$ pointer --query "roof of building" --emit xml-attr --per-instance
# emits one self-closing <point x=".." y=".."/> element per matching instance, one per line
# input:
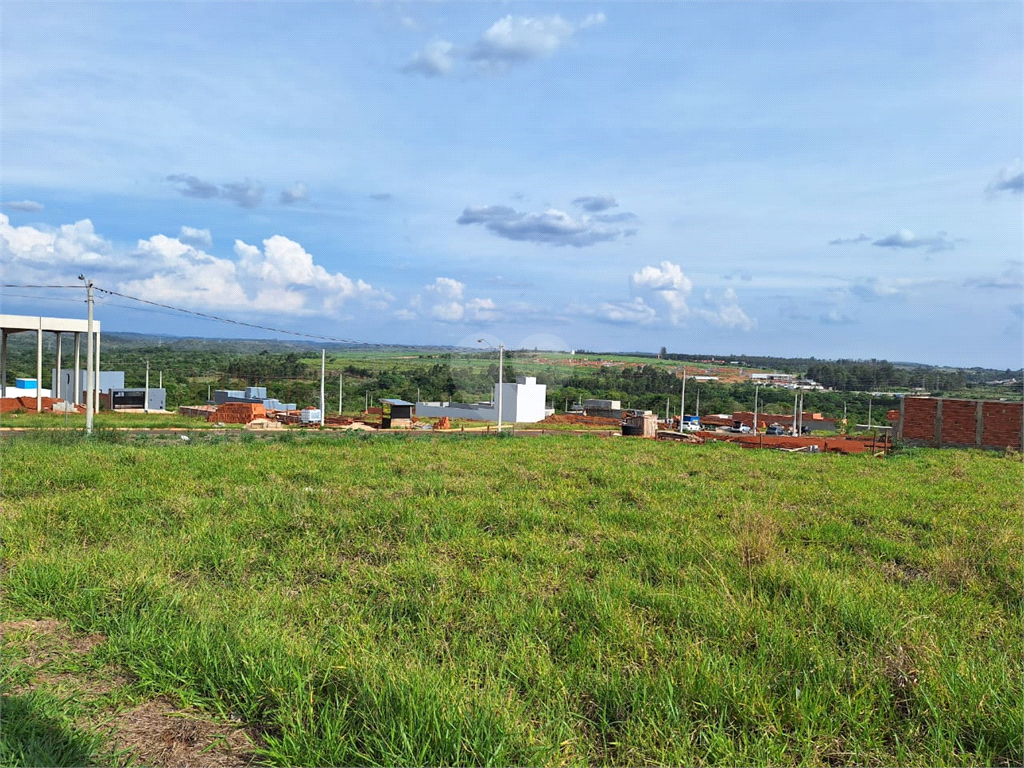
<point x="395" y="401"/>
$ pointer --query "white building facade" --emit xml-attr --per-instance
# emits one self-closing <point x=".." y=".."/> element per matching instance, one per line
<point x="524" y="402"/>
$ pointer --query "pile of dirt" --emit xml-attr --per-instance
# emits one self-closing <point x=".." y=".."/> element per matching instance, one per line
<point x="237" y="413"/>
<point x="573" y="418"/>
<point x="443" y="423"/>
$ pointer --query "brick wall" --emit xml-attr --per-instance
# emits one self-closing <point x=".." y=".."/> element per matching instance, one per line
<point x="1001" y="422"/>
<point x="919" y="418"/>
<point x="959" y="426"/>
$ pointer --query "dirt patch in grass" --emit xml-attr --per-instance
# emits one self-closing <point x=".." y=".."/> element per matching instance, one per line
<point x="48" y="640"/>
<point x="156" y="733"/>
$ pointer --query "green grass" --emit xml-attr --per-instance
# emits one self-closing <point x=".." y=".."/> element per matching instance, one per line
<point x="382" y="600"/>
<point x="107" y="420"/>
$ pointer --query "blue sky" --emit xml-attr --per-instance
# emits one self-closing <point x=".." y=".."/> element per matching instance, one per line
<point x="834" y="179"/>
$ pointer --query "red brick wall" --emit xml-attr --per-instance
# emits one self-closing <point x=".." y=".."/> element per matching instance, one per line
<point x="958" y="423"/>
<point x="919" y="418"/>
<point x="1002" y="422"/>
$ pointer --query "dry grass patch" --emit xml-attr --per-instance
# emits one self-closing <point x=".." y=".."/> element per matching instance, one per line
<point x="756" y="537"/>
<point x="154" y="733"/>
<point x="157" y="733"/>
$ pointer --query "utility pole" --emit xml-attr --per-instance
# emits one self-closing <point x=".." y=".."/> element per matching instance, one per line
<point x="341" y="391"/>
<point x="89" y="361"/>
<point x="696" y="411"/>
<point x="682" y="403"/>
<point x="755" y="408"/>
<point x="323" y="375"/>
<point x="145" y="402"/>
<point x="869" y="411"/>
<point x="161" y="380"/>
<point x="796" y="399"/>
<point x="501" y="380"/>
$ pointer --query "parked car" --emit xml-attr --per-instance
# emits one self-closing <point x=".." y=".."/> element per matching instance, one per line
<point x="739" y="427"/>
<point x="775" y="429"/>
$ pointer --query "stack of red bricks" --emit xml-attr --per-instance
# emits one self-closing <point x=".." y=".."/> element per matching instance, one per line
<point x="238" y="413"/>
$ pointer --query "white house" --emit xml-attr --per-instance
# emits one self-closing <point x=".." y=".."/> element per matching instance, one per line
<point x="523" y="402"/>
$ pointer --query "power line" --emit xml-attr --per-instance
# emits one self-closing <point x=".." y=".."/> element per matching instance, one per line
<point x="40" y="298"/>
<point x="235" y="322"/>
<point x="217" y="318"/>
<point x="13" y="285"/>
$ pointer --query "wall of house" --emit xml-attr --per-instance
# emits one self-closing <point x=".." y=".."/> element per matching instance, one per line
<point x="522" y="402"/>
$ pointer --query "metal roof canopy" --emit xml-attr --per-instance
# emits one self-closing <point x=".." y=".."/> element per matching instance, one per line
<point x="394" y="401"/>
<point x="11" y="324"/>
<point x="19" y="323"/>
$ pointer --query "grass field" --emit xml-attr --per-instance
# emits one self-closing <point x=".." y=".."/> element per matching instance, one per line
<point x="107" y="420"/>
<point x="562" y="600"/>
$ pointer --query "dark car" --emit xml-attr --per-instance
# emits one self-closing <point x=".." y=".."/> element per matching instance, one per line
<point x="775" y="429"/>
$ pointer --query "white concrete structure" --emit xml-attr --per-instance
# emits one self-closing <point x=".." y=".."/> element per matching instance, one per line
<point x="64" y="386"/>
<point x="28" y="323"/>
<point x="523" y="402"/>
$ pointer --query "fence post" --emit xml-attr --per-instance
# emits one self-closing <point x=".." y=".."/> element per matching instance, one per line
<point x="979" y="423"/>
<point x="903" y="410"/>
<point x="938" y="423"/>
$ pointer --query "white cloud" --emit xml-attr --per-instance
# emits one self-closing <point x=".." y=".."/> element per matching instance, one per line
<point x="510" y="40"/>
<point x="1009" y="179"/>
<point x="448" y="304"/>
<point x="248" y="193"/>
<point x="517" y="38"/>
<point x="25" y="206"/>
<point x="197" y="237"/>
<point x="670" y="284"/>
<point x="280" y="278"/>
<point x="725" y="311"/>
<point x="59" y="253"/>
<point x="435" y="60"/>
<point x="907" y="239"/>
<point x="295" y="193"/>
<point x="633" y="312"/>
<point x="481" y="309"/>
<point x="553" y="226"/>
<point x="447" y="287"/>
<point x="449" y="311"/>
<point x="667" y="285"/>
<point x="836" y="317"/>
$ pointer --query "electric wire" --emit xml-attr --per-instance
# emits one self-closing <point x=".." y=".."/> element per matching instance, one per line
<point x="216" y="318"/>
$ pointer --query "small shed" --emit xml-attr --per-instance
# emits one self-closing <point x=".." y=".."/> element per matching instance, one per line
<point x="395" y="414"/>
<point x="640" y="424"/>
